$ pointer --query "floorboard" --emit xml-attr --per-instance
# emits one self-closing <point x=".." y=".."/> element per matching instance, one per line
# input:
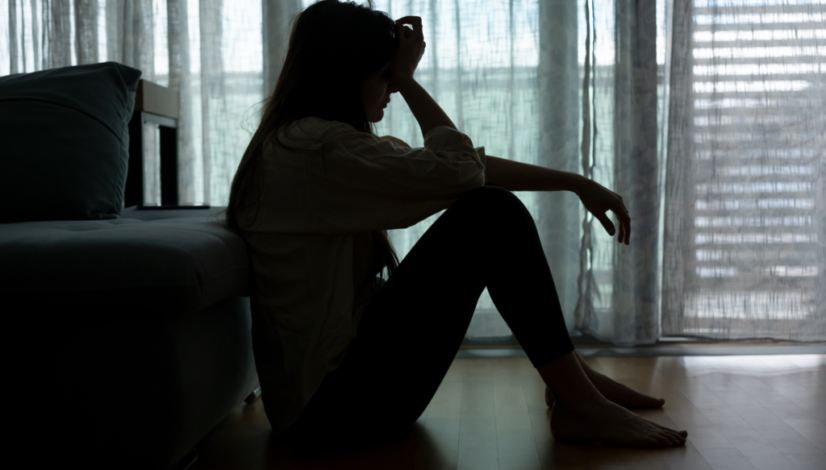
<point x="741" y="412"/>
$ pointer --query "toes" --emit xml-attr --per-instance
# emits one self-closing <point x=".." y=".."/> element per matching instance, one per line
<point x="652" y="402"/>
<point x="651" y="442"/>
<point x="666" y="436"/>
<point x="672" y="439"/>
<point x="682" y="434"/>
<point x="678" y="438"/>
<point x="663" y="440"/>
<point x="673" y="432"/>
<point x="665" y="428"/>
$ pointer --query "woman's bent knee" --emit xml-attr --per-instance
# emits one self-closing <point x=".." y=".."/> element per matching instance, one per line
<point x="488" y="192"/>
<point x="493" y="200"/>
<point x="486" y="213"/>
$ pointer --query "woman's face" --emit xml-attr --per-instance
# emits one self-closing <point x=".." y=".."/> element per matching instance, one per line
<point x="376" y="92"/>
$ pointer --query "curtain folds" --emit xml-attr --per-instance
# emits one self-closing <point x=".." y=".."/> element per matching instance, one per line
<point x="559" y="215"/>
<point x="86" y="31"/>
<point x="180" y="80"/>
<point x="746" y="171"/>
<point x="181" y="44"/>
<point x="634" y="316"/>
<point x="706" y="116"/>
<point x="571" y="86"/>
<point x="277" y="17"/>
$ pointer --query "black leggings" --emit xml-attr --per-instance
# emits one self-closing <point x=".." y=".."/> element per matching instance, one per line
<point x="409" y="335"/>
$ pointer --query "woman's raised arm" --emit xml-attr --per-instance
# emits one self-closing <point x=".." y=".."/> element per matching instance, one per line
<point x="422" y="105"/>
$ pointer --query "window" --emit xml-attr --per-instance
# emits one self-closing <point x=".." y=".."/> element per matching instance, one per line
<point x="755" y="121"/>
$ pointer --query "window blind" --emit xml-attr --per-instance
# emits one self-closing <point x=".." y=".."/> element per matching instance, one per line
<point x="753" y="129"/>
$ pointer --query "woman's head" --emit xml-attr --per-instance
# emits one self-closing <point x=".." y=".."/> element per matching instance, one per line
<point x="337" y="68"/>
<point x="336" y="65"/>
<point x="375" y="93"/>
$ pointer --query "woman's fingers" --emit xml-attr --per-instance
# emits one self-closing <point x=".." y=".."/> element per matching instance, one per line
<point x="599" y="200"/>
<point x="628" y="231"/>
<point x="605" y="221"/>
<point x="624" y="230"/>
<point x="406" y="34"/>
<point x="410" y="48"/>
<point x="415" y="21"/>
<point x="624" y="221"/>
<point x="621" y="234"/>
<point x="402" y="32"/>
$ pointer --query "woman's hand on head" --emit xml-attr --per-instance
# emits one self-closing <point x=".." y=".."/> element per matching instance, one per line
<point x="598" y="199"/>
<point x="410" y="49"/>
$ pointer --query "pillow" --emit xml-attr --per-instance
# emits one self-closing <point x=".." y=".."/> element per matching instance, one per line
<point x="64" y="142"/>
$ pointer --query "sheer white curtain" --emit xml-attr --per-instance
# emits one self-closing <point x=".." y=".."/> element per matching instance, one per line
<point x="567" y="85"/>
<point x="746" y="185"/>
<point x="705" y="115"/>
<point x="208" y="50"/>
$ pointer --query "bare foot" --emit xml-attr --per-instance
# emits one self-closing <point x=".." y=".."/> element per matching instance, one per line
<point x="610" y="423"/>
<point x="615" y="392"/>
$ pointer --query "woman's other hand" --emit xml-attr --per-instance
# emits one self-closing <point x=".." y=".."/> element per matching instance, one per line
<point x="410" y="49"/>
<point x="598" y="200"/>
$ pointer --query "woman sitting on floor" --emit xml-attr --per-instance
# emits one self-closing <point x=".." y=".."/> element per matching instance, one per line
<point x="340" y="352"/>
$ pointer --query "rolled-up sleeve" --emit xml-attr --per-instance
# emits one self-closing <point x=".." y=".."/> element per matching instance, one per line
<point x="361" y="182"/>
<point x="447" y="165"/>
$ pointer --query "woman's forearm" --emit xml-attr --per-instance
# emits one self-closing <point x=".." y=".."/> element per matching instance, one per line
<point x="427" y="112"/>
<point x="515" y="176"/>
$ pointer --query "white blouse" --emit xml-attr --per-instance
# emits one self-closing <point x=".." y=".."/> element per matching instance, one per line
<point x="334" y="185"/>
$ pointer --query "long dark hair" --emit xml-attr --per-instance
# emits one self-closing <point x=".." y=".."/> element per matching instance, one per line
<point x="334" y="47"/>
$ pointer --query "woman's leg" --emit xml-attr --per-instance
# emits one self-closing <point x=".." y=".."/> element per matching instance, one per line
<point x="409" y="335"/>
<point x="613" y="391"/>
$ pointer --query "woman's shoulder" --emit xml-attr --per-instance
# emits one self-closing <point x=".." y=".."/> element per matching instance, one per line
<point x="312" y="132"/>
<point x="323" y="129"/>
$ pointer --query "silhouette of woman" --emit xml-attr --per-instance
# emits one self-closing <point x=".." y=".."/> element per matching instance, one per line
<point x="343" y="353"/>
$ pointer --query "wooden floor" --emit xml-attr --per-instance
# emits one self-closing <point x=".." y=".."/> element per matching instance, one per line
<point x="741" y="412"/>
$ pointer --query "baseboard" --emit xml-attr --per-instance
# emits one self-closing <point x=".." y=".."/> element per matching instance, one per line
<point x="505" y="352"/>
